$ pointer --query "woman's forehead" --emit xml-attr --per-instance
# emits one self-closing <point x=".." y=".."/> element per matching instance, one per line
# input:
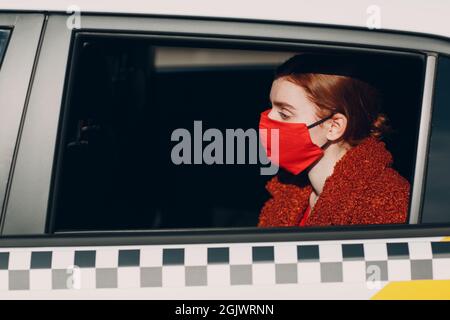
<point x="284" y="91"/>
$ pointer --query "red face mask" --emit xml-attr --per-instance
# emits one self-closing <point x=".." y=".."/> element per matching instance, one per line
<point x="295" y="151"/>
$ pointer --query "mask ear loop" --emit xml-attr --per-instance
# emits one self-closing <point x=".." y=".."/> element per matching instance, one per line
<point x="325" y="145"/>
<point x="320" y="121"/>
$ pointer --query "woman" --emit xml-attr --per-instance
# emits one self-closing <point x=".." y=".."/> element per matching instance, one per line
<point x="329" y="125"/>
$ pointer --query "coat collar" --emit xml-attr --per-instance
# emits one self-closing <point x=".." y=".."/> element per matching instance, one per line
<point x="360" y="164"/>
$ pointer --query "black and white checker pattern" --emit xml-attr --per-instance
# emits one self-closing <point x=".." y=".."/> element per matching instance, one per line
<point x="227" y="265"/>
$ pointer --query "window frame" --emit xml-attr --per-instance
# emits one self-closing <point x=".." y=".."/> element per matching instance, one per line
<point x="30" y="201"/>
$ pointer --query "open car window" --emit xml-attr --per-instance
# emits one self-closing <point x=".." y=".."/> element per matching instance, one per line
<point x="126" y="97"/>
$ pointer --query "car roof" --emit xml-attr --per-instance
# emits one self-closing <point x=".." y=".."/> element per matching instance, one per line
<point x="418" y="16"/>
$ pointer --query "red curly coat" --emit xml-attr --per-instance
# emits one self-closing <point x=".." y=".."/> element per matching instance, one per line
<point x="363" y="189"/>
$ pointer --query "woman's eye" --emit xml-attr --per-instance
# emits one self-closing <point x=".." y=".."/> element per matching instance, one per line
<point x="283" y="116"/>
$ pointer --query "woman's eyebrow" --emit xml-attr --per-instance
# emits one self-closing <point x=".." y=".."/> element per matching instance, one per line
<point x="283" y="104"/>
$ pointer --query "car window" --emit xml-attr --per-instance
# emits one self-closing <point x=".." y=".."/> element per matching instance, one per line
<point x="4" y="36"/>
<point x="437" y="194"/>
<point x="127" y="98"/>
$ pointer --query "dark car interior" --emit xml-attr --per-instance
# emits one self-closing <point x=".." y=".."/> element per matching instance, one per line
<point x="113" y="162"/>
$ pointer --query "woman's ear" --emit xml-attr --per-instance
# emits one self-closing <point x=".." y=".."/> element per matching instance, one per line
<point x="336" y="126"/>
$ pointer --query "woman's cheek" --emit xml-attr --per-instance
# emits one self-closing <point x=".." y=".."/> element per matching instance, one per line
<point x="317" y="135"/>
<point x="274" y="115"/>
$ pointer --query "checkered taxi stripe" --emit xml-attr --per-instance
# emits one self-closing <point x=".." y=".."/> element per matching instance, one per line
<point x="229" y="265"/>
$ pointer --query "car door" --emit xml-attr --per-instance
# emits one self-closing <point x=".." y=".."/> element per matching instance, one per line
<point x="41" y="259"/>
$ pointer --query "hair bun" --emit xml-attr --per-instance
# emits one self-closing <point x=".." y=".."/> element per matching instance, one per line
<point x="380" y="126"/>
